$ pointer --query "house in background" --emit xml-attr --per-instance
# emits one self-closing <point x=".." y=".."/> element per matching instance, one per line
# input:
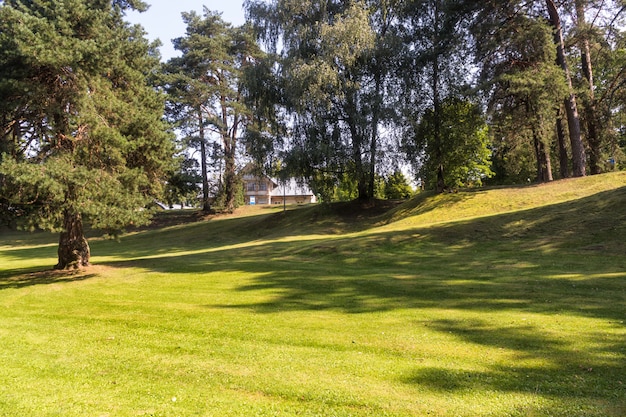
<point x="263" y="190"/>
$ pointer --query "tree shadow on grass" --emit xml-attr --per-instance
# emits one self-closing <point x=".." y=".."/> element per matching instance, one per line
<point x="567" y="378"/>
<point x="27" y="279"/>
<point x="448" y="271"/>
<point x="567" y="259"/>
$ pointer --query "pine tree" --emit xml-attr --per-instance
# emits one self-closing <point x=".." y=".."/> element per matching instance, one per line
<point x="579" y="158"/>
<point x="526" y="87"/>
<point x="83" y="138"/>
<point x="206" y="89"/>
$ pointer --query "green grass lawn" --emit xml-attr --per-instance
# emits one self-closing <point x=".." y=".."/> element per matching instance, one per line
<point x="500" y="302"/>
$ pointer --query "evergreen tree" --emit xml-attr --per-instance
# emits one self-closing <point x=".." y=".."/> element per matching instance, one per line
<point x="82" y="135"/>
<point x="397" y="187"/>
<point x="597" y="30"/>
<point x="182" y="184"/>
<point x="579" y="157"/>
<point x="526" y="89"/>
<point x="207" y="91"/>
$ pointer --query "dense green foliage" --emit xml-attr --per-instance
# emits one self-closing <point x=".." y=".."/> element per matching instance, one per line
<point x="82" y="135"/>
<point x="397" y="187"/>
<point x="455" y="145"/>
<point x="344" y="94"/>
<point x="334" y="73"/>
<point x="353" y="77"/>
<point x="525" y="81"/>
<point x="206" y="92"/>
<point x="182" y="184"/>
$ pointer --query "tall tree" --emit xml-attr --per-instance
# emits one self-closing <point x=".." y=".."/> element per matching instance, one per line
<point x="526" y="89"/>
<point x="589" y="101"/>
<point x="611" y="88"/>
<point x="82" y="134"/>
<point x="436" y="69"/>
<point x="333" y="60"/>
<point x="597" y="30"/>
<point x="457" y="138"/>
<point x="579" y="158"/>
<point x="187" y="96"/>
<point x="208" y="84"/>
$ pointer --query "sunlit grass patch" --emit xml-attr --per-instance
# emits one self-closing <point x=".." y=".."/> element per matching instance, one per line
<point x="517" y="311"/>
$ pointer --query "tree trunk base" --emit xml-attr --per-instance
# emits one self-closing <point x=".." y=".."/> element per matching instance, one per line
<point x="73" y="253"/>
<point x="73" y="250"/>
<point x="441" y="182"/>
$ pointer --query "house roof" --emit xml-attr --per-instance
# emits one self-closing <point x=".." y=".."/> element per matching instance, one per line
<point x="290" y="188"/>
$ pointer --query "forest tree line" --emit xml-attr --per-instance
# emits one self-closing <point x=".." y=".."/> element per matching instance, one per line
<point x="344" y="95"/>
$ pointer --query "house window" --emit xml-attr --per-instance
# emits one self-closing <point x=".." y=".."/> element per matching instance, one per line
<point x="263" y="186"/>
<point x="250" y="186"/>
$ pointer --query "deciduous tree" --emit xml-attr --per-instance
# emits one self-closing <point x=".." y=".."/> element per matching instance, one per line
<point x="454" y="143"/>
<point x="436" y="67"/>
<point x="335" y="60"/>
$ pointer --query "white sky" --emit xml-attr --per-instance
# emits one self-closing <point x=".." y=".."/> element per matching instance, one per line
<point x="163" y="19"/>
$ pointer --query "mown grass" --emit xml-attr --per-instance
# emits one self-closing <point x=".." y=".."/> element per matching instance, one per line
<point x="502" y="302"/>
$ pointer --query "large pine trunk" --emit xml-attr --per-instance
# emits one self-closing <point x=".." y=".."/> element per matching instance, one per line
<point x="563" y="157"/>
<point x="206" y="204"/>
<point x="544" y="162"/>
<point x="229" y="139"/>
<point x="593" y="132"/>
<point x="230" y="177"/>
<point x="73" y="247"/>
<point x="571" y="107"/>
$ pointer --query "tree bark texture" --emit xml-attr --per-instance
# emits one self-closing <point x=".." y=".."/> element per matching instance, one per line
<point x="437" y="136"/>
<point x="563" y="157"/>
<point x="593" y="135"/>
<point x="571" y="108"/>
<point x="229" y="139"/>
<point x="230" y="180"/>
<point x="206" y="205"/>
<point x="542" y="152"/>
<point x="73" y="247"/>
<point x="374" y="139"/>
<point x="357" y="150"/>
<point x="544" y="163"/>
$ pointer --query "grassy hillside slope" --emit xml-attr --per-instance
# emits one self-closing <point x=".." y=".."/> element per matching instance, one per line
<point x="500" y="302"/>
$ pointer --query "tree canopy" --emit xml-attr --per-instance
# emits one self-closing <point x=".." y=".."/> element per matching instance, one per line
<point x="357" y="79"/>
<point x="341" y="94"/>
<point x="207" y="93"/>
<point x="335" y="78"/>
<point x="83" y="136"/>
